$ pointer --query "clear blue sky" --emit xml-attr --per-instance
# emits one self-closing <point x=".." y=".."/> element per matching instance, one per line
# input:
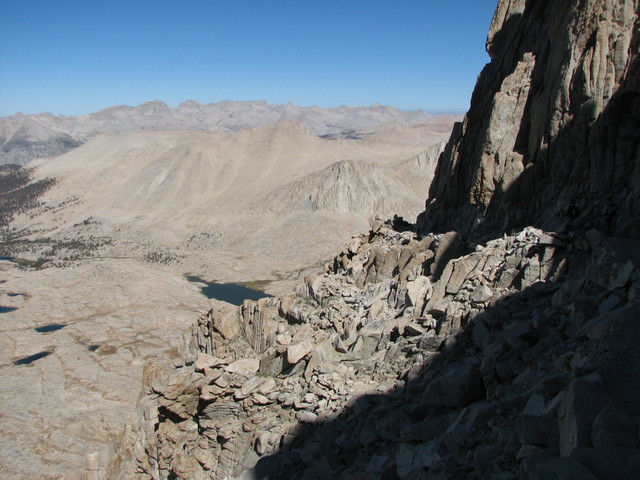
<point x="74" y="57"/>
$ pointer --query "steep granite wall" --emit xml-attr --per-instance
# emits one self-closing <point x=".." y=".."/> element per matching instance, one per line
<point x="552" y="134"/>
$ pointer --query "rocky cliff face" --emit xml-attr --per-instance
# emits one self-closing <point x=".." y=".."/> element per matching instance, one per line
<point x="482" y="352"/>
<point x="552" y="134"/>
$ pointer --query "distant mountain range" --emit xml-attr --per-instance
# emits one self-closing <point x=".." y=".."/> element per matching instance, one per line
<point x="25" y="137"/>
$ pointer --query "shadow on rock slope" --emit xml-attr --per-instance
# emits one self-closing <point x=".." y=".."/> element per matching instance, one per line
<point x="507" y="366"/>
<point x="543" y="380"/>
<point x="488" y="350"/>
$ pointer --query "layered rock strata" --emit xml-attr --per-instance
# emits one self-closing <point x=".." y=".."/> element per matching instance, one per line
<point x="463" y="347"/>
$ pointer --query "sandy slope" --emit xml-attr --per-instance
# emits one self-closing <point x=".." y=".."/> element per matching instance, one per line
<point x="205" y="196"/>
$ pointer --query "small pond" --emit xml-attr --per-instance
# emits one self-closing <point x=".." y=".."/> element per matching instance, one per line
<point x="31" y="358"/>
<point x="7" y="309"/>
<point x="52" y="327"/>
<point x="102" y="350"/>
<point x="23" y="262"/>
<point x="233" y="293"/>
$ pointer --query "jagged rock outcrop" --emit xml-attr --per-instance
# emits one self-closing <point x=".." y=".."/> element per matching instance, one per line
<point x="356" y="186"/>
<point x="504" y="365"/>
<point x="473" y="351"/>
<point x="551" y="138"/>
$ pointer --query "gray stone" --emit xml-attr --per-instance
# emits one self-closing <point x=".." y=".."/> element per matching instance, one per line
<point x="304" y="416"/>
<point x="546" y="239"/>
<point x="580" y="404"/>
<point x="271" y="363"/>
<point x="530" y="457"/>
<point x="529" y="452"/>
<point x="612" y="302"/>
<point x="175" y="384"/>
<point x="369" y="339"/>
<point x="614" y="427"/>
<point x="634" y="291"/>
<point x="425" y="430"/>
<point x="258" y="384"/>
<point x="513" y="332"/>
<point x="430" y="341"/>
<point x="298" y="351"/>
<point x="221" y="410"/>
<point x="554" y="384"/>
<point x="594" y="237"/>
<point x="248" y="460"/>
<point x="260" y="399"/>
<point x="623" y="249"/>
<point x="462" y="267"/>
<point x="318" y="357"/>
<point x="339" y="345"/>
<point x="610" y="463"/>
<point x="185" y="467"/>
<point x="481" y="336"/>
<point x="458" y="387"/>
<point x="417" y="290"/>
<point x="448" y="244"/>
<point x="503" y="476"/>
<point x="481" y="294"/>
<point x="596" y="328"/>
<point x="506" y="278"/>
<point x="538" y="430"/>
<point x="210" y="392"/>
<point x="263" y="442"/>
<point x="535" y="406"/>
<point x="413" y="329"/>
<point x="206" y="361"/>
<point x="439" y="307"/>
<point x="623" y="276"/>
<point x="504" y="371"/>
<point x="390" y="427"/>
<point x="224" y="319"/>
<point x="530" y="274"/>
<point x="244" y="365"/>
<point x="562" y="469"/>
<point x="485" y="456"/>
<point x="411" y="457"/>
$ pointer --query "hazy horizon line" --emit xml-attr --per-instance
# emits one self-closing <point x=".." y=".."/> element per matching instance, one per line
<point x="176" y="105"/>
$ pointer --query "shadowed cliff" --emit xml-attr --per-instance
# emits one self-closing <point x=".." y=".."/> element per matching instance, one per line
<point x="551" y="138"/>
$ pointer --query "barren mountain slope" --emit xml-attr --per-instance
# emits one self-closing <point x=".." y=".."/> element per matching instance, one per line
<point x="25" y="138"/>
<point x="202" y="195"/>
